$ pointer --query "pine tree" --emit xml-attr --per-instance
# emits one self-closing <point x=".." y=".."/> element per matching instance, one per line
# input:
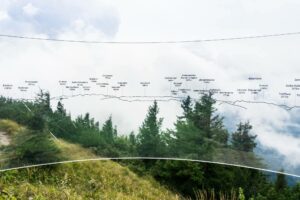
<point x="186" y="105"/>
<point x="132" y="139"/>
<point x="204" y="118"/>
<point x="60" y="109"/>
<point x="189" y="142"/>
<point x="280" y="183"/>
<point x="242" y="140"/>
<point x="199" y="129"/>
<point x="132" y="144"/>
<point x="149" y="137"/>
<point x="37" y="121"/>
<point x="86" y="120"/>
<point x="203" y="113"/>
<point x="43" y="102"/>
<point x="41" y="111"/>
<point x="108" y="130"/>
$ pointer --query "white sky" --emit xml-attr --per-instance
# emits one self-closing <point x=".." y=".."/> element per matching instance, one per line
<point x="276" y="60"/>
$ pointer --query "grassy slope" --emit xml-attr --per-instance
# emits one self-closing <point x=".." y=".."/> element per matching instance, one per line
<point x="84" y="180"/>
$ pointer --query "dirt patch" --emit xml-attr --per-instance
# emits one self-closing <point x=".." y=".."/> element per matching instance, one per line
<point x="4" y="139"/>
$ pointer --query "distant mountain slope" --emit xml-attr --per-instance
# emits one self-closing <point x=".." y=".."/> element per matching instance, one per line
<point x="274" y="161"/>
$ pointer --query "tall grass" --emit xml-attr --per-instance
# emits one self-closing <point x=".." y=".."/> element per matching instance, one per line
<point x="211" y="195"/>
<point x="9" y="126"/>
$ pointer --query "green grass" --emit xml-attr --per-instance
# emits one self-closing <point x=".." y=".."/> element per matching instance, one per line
<point x="88" y="180"/>
<point x="9" y="126"/>
<point x="79" y="180"/>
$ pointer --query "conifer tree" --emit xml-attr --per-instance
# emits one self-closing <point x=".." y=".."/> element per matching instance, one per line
<point x="186" y="105"/>
<point x="43" y="102"/>
<point x="199" y="129"/>
<point x="41" y="111"/>
<point x="280" y="182"/>
<point x="205" y="119"/>
<point x="108" y="130"/>
<point x="242" y="140"/>
<point x="60" y="109"/>
<point x="149" y="137"/>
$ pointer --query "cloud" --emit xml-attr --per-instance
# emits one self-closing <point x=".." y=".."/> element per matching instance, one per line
<point x="284" y="144"/>
<point x="3" y="16"/>
<point x="30" y="10"/>
<point x="53" y="18"/>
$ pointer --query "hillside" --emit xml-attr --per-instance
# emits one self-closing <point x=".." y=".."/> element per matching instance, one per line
<point x="84" y="180"/>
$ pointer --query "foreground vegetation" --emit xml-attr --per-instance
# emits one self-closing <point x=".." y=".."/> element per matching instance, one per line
<point x="86" y="180"/>
<point x="40" y="134"/>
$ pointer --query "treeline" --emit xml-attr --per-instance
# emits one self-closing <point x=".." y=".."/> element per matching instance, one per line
<point x="199" y="133"/>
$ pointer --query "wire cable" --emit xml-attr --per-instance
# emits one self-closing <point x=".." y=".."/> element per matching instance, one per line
<point x="152" y="42"/>
<point x="150" y="158"/>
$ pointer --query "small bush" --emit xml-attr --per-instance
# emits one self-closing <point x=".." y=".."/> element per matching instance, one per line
<point x="34" y="148"/>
